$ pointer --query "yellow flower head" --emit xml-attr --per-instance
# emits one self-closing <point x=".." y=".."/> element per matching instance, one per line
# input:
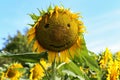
<point x="106" y="57"/>
<point x="118" y="55"/>
<point x="113" y="70"/>
<point x="37" y="72"/>
<point x="13" y="71"/>
<point x="56" y="31"/>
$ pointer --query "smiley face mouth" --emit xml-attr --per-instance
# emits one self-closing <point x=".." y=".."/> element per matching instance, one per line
<point x="61" y="46"/>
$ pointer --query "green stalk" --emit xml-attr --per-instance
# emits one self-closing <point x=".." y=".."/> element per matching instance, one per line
<point x="53" y="70"/>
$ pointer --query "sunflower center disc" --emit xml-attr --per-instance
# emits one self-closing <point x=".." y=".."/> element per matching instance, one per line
<point x="11" y="73"/>
<point x="57" y="34"/>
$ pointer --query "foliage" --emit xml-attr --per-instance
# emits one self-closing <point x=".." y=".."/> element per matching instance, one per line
<point x="17" y="44"/>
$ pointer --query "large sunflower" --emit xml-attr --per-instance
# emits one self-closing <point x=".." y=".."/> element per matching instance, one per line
<point x="57" y="31"/>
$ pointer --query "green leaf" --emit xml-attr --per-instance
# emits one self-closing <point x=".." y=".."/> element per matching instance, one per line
<point x="25" y="57"/>
<point x="87" y="58"/>
<point x="70" y="73"/>
<point x="72" y="67"/>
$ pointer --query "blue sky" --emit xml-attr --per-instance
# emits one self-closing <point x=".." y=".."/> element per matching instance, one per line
<point x="101" y="17"/>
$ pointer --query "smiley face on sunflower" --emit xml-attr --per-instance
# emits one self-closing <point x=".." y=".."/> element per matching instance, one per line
<point x="57" y="32"/>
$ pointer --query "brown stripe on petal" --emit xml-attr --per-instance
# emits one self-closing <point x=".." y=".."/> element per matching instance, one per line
<point x="46" y="18"/>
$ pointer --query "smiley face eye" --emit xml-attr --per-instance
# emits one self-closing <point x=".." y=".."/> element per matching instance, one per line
<point x="68" y="25"/>
<point x="47" y="26"/>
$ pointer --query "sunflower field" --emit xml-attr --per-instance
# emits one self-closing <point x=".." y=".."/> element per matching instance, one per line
<point x="59" y="51"/>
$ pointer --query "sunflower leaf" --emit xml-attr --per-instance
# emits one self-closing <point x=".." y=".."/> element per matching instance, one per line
<point x="70" y="73"/>
<point x="76" y="72"/>
<point x="86" y="55"/>
<point x="89" y="61"/>
<point x="87" y="58"/>
<point x="25" y="57"/>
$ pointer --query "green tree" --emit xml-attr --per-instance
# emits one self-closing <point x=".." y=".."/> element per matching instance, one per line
<point x="14" y="45"/>
<point x="17" y="44"/>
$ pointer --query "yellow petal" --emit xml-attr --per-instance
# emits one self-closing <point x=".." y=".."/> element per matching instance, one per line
<point x="40" y="48"/>
<point x="35" y="45"/>
<point x="63" y="55"/>
<point x="51" y="12"/>
<point x="53" y="56"/>
<point x="56" y="11"/>
<point x="40" y="19"/>
<point x="73" y="50"/>
<point x="67" y="60"/>
<point x="74" y="16"/>
<point x="79" y="42"/>
<point x="31" y="37"/>
<point x="31" y="31"/>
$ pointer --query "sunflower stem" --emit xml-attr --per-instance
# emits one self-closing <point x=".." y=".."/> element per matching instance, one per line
<point x="53" y="70"/>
